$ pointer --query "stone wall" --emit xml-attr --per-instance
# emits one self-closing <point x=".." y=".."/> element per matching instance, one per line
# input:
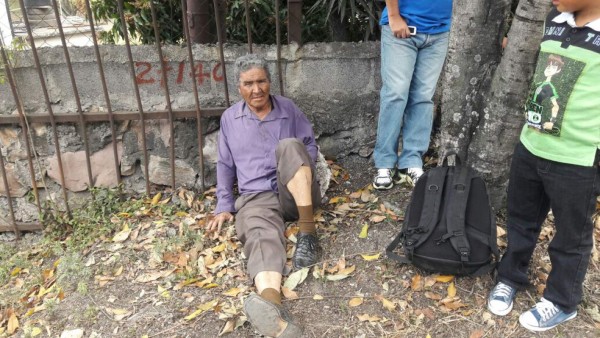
<point x="335" y="84"/>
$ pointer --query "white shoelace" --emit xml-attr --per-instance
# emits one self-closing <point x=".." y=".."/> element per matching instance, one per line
<point x="546" y="309"/>
<point x="384" y="173"/>
<point x="502" y="290"/>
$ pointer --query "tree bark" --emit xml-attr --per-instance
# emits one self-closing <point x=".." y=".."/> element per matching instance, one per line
<point x="483" y="90"/>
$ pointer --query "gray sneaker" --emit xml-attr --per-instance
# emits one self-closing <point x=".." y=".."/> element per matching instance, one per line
<point x="544" y="316"/>
<point x="411" y="175"/>
<point x="500" y="301"/>
<point x="384" y="179"/>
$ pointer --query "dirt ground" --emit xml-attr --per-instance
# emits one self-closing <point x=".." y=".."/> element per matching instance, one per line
<point x="149" y="281"/>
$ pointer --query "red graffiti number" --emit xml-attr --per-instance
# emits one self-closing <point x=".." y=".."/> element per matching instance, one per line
<point x="141" y="77"/>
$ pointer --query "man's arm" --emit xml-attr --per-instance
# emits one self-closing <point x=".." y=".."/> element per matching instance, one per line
<point x="397" y="24"/>
<point x="226" y="173"/>
<point x="304" y="132"/>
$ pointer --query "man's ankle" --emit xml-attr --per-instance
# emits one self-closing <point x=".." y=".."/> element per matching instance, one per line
<point x="271" y="295"/>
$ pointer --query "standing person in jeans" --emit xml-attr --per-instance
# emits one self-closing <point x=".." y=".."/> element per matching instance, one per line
<point x="267" y="145"/>
<point x="411" y="63"/>
<point x="555" y="166"/>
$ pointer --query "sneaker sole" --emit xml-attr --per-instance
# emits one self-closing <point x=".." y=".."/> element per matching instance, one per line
<point x="541" y="329"/>
<point x="266" y="317"/>
<point x="500" y="313"/>
<point x="383" y="187"/>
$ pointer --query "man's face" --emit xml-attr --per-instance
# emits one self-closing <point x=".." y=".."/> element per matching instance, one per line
<point x="573" y="5"/>
<point x="255" y="87"/>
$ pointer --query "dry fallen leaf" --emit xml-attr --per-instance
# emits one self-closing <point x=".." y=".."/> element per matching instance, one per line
<point x="338" y="199"/>
<point x="13" y="323"/>
<point x="477" y="334"/>
<point x="122" y="235"/>
<point x="318" y="297"/>
<point x="429" y="282"/>
<point x="356" y="301"/>
<point x="232" y="292"/>
<point x="444" y="278"/>
<point x="203" y="307"/>
<point x="451" y="290"/>
<point x="377" y="218"/>
<point x="364" y="232"/>
<point x="156" y="198"/>
<point x="368" y="317"/>
<point x="228" y="328"/>
<point x="416" y="283"/>
<point x="371" y="257"/>
<point x="296" y="278"/>
<point x="388" y="304"/>
<point x="433" y="295"/>
<point x="289" y="294"/>
<point x="348" y="270"/>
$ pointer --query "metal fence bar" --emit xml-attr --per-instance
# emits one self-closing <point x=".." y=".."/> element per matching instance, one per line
<point x="221" y="54"/>
<point x="165" y="80"/>
<point x="82" y="125"/>
<point x="104" y="90"/>
<point x="136" y="90"/>
<point x="48" y="105"/>
<point x="186" y="31"/>
<point x="278" y="39"/>
<point x="248" y="30"/>
<point x="22" y="227"/>
<point x="21" y="120"/>
<point x="7" y="189"/>
<point x="117" y="115"/>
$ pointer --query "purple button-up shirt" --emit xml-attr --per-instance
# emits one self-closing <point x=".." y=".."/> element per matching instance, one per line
<point x="247" y="147"/>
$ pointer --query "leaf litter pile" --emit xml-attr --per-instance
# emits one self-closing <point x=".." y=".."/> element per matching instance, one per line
<point x="156" y="273"/>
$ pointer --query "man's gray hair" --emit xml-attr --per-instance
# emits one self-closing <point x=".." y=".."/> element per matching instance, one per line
<point x="250" y="61"/>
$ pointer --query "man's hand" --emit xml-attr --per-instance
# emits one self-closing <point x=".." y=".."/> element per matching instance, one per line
<point x="548" y="125"/>
<point x="399" y="27"/>
<point x="216" y="223"/>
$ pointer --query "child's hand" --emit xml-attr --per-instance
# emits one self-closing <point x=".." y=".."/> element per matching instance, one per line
<point x="548" y="125"/>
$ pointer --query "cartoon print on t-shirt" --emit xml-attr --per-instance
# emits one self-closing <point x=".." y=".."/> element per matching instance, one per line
<point x="551" y="88"/>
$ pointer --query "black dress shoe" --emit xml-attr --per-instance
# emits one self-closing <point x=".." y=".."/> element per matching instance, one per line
<point x="306" y="251"/>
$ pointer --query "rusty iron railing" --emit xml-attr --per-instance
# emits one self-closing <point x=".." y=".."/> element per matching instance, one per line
<point x="82" y="119"/>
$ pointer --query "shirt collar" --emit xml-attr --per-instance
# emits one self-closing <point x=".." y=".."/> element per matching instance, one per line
<point x="275" y="113"/>
<point x="569" y="18"/>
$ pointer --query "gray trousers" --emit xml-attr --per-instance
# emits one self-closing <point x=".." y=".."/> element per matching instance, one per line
<point x="261" y="217"/>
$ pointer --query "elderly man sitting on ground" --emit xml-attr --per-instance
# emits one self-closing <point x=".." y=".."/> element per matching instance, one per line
<point x="267" y="144"/>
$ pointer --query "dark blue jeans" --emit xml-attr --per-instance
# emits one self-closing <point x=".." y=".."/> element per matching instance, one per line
<point x="537" y="185"/>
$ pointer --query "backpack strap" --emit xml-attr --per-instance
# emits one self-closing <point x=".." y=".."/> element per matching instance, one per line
<point x="455" y="221"/>
<point x="389" y="251"/>
<point x="432" y="201"/>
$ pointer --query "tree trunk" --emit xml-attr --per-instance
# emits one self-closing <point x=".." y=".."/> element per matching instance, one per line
<point x="483" y="90"/>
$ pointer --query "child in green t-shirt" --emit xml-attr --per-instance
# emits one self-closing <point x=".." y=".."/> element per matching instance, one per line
<point x="555" y="166"/>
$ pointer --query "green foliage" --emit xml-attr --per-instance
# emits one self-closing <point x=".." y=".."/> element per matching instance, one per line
<point x="358" y="17"/>
<point x="18" y="43"/>
<point x="263" y="24"/>
<point x="72" y="272"/>
<point x="138" y="17"/>
<point x="88" y="222"/>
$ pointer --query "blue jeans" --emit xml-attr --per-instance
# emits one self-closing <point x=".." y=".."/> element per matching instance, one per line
<point x="535" y="186"/>
<point x="410" y="69"/>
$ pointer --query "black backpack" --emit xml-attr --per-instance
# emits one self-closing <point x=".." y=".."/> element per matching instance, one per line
<point x="449" y="225"/>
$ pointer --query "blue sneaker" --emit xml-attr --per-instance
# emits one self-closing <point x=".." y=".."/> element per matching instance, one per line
<point x="544" y="316"/>
<point x="500" y="301"/>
